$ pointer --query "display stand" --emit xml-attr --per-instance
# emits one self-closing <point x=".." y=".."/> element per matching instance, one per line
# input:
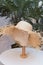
<point x="12" y="57"/>
<point x="23" y="55"/>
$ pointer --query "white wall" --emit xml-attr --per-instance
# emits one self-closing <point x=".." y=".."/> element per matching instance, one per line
<point x="5" y="41"/>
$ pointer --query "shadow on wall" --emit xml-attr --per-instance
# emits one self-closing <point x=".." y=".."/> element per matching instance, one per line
<point x="1" y="63"/>
<point x="5" y="43"/>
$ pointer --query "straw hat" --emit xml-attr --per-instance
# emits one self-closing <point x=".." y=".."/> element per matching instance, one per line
<point x="23" y="34"/>
<point x="29" y="38"/>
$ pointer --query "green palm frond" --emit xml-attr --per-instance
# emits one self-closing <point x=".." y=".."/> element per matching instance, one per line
<point x="23" y="8"/>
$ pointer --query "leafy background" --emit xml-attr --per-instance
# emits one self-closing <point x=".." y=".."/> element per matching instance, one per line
<point x="23" y="9"/>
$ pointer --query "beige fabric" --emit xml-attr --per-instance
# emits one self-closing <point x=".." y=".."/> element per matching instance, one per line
<point x="18" y="35"/>
<point x="23" y="37"/>
<point x="34" y="39"/>
<point x="25" y="26"/>
<point x="23" y="34"/>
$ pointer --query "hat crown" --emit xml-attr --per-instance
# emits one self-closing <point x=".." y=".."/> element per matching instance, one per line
<point x="23" y="25"/>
